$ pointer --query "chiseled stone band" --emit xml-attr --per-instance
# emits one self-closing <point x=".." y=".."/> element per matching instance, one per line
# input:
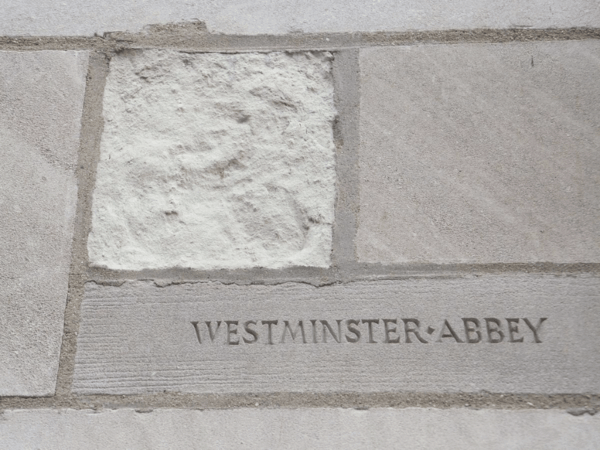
<point x="500" y="333"/>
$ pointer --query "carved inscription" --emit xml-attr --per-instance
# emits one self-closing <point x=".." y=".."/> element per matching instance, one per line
<point x="467" y="330"/>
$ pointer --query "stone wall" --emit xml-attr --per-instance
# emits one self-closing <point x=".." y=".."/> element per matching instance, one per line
<point x="368" y="225"/>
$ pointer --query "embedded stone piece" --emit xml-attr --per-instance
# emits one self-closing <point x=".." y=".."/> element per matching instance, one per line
<point x="422" y="428"/>
<point x="480" y="153"/>
<point x="500" y="333"/>
<point x="41" y="99"/>
<point x="213" y="161"/>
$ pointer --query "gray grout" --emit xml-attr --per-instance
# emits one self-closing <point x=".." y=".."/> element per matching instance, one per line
<point x="574" y="403"/>
<point x="89" y="152"/>
<point x="347" y="98"/>
<point x="337" y="274"/>
<point x="189" y="36"/>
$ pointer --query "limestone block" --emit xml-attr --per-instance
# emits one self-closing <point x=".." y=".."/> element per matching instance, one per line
<point x="415" y="428"/>
<point x="480" y="153"/>
<point x="506" y="334"/>
<point x="215" y="161"/>
<point x="41" y="99"/>
<point x="86" y="17"/>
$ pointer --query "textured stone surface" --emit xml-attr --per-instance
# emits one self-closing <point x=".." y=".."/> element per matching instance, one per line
<point x="480" y="153"/>
<point x="215" y="161"/>
<point x="85" y="17"/>
<point x="139" y="337"/>
<point x="298" y="429"/>
<point x="41" y="98"/>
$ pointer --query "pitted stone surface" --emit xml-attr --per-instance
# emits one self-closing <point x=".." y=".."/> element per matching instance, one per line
<point x="464" y="334"/>
<point x="415" y="428"/>
<point x="480" y="153"/>
<point x="41" y="99"/>
<point x="86" y="17"/>
<point x="215" y="161"/>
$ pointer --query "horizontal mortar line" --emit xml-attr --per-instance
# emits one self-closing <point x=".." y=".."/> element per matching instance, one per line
<point x="183" y="39"/>
<point x="576" y="404"/>
<point x="347" y="273"/>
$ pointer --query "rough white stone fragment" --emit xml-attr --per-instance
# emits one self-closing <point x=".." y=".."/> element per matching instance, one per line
<point x="215" y="161"/>
<point x="328" y="428"/>
<point x="41" y="99"/>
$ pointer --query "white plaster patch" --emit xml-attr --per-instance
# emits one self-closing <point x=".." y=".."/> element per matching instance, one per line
<point x="215" y="161"/>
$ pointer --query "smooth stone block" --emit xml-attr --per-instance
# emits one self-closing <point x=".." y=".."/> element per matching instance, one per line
<point x="214" y="161"/>
<point x="480" y="153"/>
<point x="86" y="17"/>
<point x="41" y="99"/>
<point x="505" y="334"/>
<point x="414" y="428"/>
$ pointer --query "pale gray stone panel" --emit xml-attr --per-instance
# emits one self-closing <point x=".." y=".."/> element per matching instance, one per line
<point x="480" y="153"/>
<point x="41" y="99"/>
<point x="86" y="17"/>
<point x="415" y="428"/>
<point x="138" y="337"/>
